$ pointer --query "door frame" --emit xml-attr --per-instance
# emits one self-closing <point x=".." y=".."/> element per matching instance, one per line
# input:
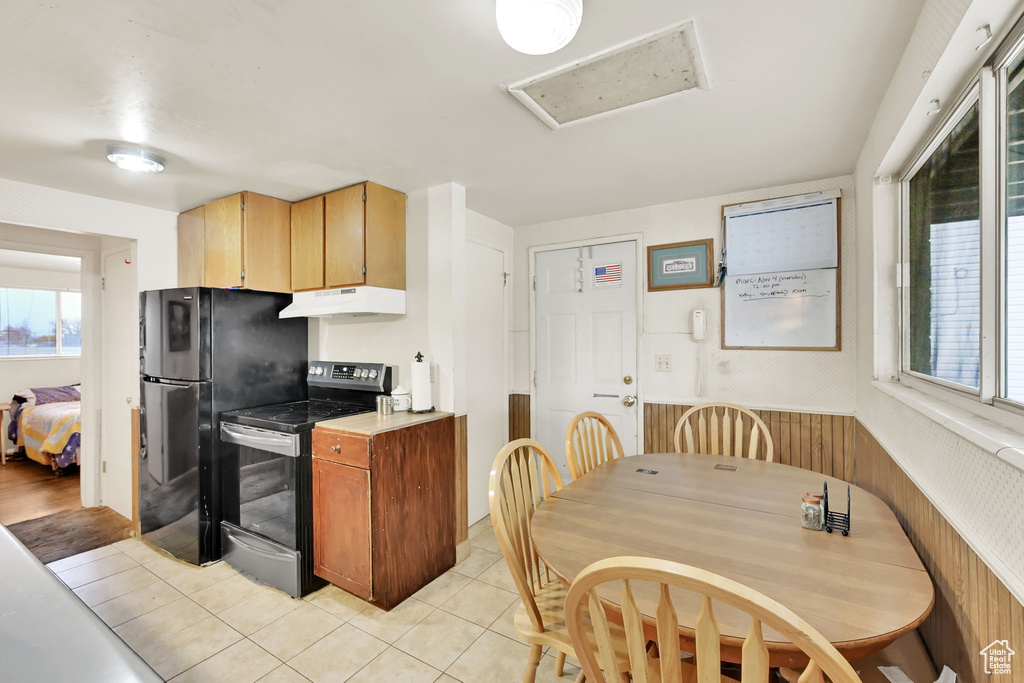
<point x="92" y="392"/>
<point x="641" y="281"/>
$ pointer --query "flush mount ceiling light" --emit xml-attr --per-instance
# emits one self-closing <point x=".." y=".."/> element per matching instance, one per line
<point x="538" y="27"/>
<point x="135" y="159"/>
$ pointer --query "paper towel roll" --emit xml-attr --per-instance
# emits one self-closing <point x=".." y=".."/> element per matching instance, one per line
<point x="421" y="386"/>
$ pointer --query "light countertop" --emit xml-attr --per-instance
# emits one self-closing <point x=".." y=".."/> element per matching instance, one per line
<point x="369" y="424"/>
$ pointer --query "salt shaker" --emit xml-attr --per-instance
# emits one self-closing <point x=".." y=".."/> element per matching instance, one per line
<point x="810" y="513"/>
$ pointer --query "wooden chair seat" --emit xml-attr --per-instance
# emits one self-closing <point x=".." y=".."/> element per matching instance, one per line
<point x="688" y="675"/>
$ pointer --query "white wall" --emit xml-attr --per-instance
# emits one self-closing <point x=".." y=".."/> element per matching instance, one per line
<point x="813" y="381"/>
<point x="82" y="221"/>
<point x="977" y="492"/>
<point x="25" y="373"/>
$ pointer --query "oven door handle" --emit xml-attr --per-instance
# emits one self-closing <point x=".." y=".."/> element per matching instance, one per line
<point x="283" y="444"/>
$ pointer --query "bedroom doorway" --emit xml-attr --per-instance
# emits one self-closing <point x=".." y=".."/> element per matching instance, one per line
<point x="40" y="377"/>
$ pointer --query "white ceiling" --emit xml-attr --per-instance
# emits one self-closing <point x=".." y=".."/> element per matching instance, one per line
<point x="292" y="99"/>
<point x="30" y="260"/>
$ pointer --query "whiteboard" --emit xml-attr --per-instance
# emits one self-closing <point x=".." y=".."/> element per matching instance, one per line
<point x="792" y="310"/>
<point x="793" y="233"/>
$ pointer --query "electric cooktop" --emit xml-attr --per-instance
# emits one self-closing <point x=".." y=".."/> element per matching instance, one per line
<point x="299" y="416"/>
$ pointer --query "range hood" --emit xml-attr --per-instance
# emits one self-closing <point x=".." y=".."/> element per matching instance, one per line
<point x="349" y="301"/>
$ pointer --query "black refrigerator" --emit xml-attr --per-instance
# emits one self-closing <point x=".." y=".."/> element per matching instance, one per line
<point x="204" y="351"/>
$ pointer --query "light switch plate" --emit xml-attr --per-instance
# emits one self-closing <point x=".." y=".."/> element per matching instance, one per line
<point x="663" y="363"/>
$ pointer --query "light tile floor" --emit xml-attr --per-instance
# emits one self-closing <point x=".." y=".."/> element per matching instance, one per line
<point x="212" y="624"/>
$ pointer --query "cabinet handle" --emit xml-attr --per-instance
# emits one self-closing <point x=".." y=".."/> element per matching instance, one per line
<point x="336" y="449"/>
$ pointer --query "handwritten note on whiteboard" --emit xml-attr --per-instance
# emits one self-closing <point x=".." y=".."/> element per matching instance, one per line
<point x="792" y="309"/>
<point x="793" y="233"/>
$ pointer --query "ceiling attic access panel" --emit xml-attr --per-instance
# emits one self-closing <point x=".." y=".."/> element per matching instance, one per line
<point x="660" y="64"/>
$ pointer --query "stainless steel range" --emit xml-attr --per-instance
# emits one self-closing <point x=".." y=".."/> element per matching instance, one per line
<point x="268" y="473"/>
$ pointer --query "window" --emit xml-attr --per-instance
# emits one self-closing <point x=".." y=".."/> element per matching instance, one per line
<point x="40" y="322"/>
<point x="944" y="284"/>
<point x="963" y="241"/>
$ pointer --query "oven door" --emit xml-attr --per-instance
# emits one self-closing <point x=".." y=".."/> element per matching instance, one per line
<point x="266" y="466"/>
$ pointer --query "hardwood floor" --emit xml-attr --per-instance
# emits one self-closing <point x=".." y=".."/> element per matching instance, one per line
<point x="29" y="490"/>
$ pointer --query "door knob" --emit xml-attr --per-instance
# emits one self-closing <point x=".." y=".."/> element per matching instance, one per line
<point x="628" y="379"/>
<point x="629" y="401"/>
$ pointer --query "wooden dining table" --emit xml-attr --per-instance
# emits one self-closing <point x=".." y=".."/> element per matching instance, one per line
<point x="740" y="518"/>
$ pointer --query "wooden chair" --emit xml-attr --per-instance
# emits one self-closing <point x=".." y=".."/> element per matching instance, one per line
<point x="590" y="441"/>
<point x="523" y="474"/>
<point x="670" y="669"/>
<point x="718" y="428"/>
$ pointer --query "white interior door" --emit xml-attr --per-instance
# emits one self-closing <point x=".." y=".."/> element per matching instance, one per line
<point x="120" y="378"/>
<point x="486" y="359"/>
<point x="586" y="341"/>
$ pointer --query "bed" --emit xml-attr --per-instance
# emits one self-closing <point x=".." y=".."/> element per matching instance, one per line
<point x="47" y="423"/>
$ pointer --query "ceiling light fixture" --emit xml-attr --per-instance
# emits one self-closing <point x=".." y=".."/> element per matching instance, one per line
<point x="538" y="27"/>
<point x="135" y="159"/>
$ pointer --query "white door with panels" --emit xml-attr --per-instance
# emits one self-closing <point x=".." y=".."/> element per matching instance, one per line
<point x="486" y="354"/>
<point x="586" y="334"/>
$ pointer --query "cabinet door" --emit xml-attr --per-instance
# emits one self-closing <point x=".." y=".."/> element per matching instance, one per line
<point x="385" y="237"/>
<point x="223" y="236"/>
<point x="192" y="247"/>
<point x="308" y="244"/>
<point x="345" y="236"/>
<point x="266" y="230"/>
<point x="341" y="526"/>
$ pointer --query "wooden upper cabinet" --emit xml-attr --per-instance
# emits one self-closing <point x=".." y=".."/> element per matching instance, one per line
<point x="364" y="237"/>
<point x="307" y="219"/>
<point x="345" y="232"/>
<point x="223" y="243"/>
<point x="385" y="237"/>
<point x="267" y="252"/>
<point x="239" y="241"/>
<point x="191" y="248"/>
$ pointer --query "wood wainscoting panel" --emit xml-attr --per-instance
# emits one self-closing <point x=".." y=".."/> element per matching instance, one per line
<point x="461" y="480"/>
<point x="518" y="416"/>
<point x="812" y="441"/>
<point x="972" y="607"/>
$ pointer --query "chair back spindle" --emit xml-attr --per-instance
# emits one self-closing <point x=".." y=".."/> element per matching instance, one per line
<point x="723" y="429"/>
<point x="592" y="639"/>
<point x="590" y="441"/>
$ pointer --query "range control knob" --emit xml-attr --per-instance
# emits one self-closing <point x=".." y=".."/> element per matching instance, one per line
<point x="365" y="373"/>
<point x="373" y="374"/>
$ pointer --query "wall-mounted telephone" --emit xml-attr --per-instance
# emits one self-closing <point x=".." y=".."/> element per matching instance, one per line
<point x="698" y="324"/>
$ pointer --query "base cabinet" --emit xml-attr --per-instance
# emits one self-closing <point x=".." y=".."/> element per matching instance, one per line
<point x="384" y="509"/>
<point x="341" y="513"/>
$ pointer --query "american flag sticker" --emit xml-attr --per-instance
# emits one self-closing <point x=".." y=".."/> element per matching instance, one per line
<point x="609" y="275"/>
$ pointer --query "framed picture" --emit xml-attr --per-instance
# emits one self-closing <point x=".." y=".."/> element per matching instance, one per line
<point x="683" y="265"/>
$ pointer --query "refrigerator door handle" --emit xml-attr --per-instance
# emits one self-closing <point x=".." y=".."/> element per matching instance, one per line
<point x="172" y="382"/>
<point x="283" y="444"/>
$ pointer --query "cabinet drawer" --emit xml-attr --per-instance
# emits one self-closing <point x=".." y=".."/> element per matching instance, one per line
<point x="347" y="449"/>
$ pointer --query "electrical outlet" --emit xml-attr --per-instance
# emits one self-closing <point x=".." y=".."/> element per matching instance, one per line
<point x="663" y="363"/>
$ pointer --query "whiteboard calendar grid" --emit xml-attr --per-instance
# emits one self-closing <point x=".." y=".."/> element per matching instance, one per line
<point x="775" y="239"/>
<point x="782" y="284"/>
